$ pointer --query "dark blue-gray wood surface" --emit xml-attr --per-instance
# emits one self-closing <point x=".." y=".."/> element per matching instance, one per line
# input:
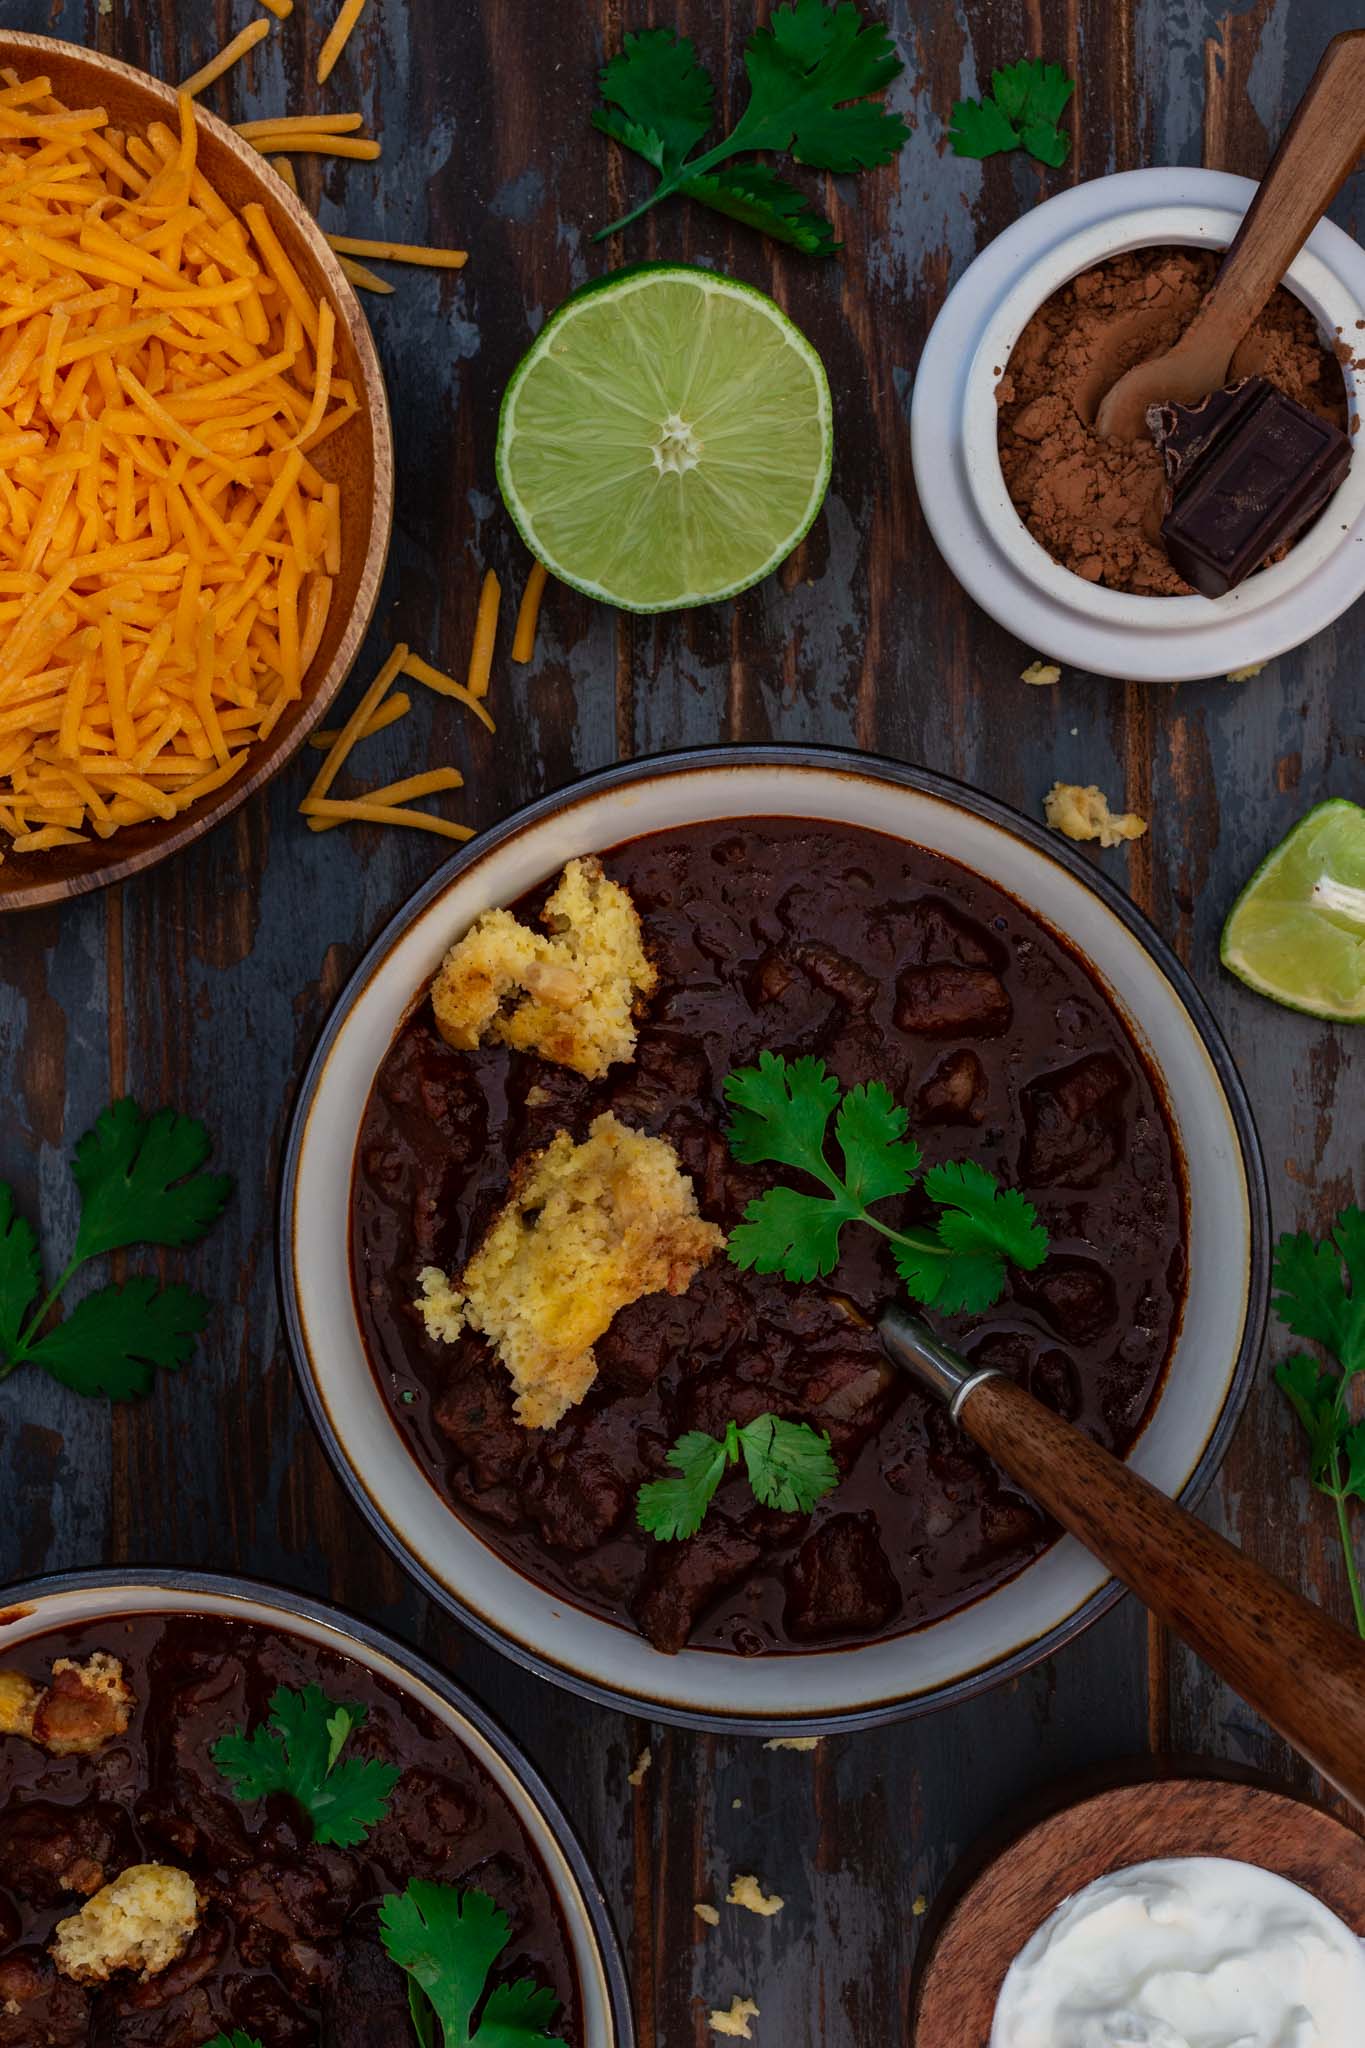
<point x="204" y="983"/>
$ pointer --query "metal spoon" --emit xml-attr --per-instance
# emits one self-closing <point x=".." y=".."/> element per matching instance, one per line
<point x="1298" y="1668"/>
<point x="1318" y="152"/>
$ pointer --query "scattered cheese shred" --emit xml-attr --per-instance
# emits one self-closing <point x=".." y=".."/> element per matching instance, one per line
<point x="446" y="686"/>
<point x="322" y="124"/>
<point x="246" y="39"/>
<point x="365" y="280"/>
<point x="347" y="17"/>
<point x="168" y="549"/>
<point x="359" y="811"/>
<point x="400" y="252"/>
<point x="485" y="632"/>
<point x="305" y="142"/>
<point x="426" y="784"/>
<point x="281" y="9"/>
<point x="390" y="711"/>
<point x="528" y="614"/>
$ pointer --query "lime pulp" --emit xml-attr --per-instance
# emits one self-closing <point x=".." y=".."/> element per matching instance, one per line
<point x="1297" y="931"/>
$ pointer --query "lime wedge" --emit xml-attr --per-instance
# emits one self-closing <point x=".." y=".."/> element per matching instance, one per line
<point x="667" y="439"/>
<point x="1297" y="931"/>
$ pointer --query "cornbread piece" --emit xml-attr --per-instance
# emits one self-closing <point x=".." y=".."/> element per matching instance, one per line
<point x="1041" y="673"/>
<point x="141" y="1921"/>
<point x="571" y="996"/>
<point x="643" y="1761"/>
<point x="746" y="1891"/>
<point x="801" y="1742"/>
<point x="441" y="1305"/>
<point x="706" y="1913"/>
<point x="734" y="2024"/>
<point x="588" y="1229"/>
<point x="81" y="1709"/>
<point x="1082" y="812"/>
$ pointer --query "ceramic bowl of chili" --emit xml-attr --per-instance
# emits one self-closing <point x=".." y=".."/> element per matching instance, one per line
<point x="785" y="893"/>
<point x="287" y="1944"/>
<point x="955" y="418"/>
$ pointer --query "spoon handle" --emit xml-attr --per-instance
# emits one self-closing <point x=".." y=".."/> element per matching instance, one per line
<point x="1298" y="1668"/>
<point x="1318" y="152"/>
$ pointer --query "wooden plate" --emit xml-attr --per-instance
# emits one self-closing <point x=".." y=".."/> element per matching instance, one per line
<point x="974" y="1939"/>
<point x="359" y="458"/>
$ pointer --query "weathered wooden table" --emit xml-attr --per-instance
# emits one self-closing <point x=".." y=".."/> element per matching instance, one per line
<point x="204" y="984"/>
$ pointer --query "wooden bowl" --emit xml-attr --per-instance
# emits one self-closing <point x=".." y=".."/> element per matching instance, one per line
<point x="1005" y="1893"/>
<point x="359" y="457"/>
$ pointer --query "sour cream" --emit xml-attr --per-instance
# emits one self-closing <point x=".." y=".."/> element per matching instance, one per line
<point x="1196" y="1952"/>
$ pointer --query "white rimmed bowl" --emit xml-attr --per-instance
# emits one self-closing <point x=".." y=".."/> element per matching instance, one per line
<point x="1053" y="1598"/>
<point x="954" y="422"/>
<point x="70" y="1599"/>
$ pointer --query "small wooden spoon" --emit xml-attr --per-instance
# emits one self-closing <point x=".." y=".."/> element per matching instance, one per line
<point x="1298" y="1668"/>
<point x="1318" y="153"/>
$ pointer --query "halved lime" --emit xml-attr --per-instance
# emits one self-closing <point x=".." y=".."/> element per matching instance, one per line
<point x="1297" y="931"/>
<point x="667" y="439"/>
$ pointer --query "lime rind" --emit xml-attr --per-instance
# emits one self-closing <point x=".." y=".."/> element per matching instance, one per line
<point x="744" y="474"/>
<point x="1297" y="931"/>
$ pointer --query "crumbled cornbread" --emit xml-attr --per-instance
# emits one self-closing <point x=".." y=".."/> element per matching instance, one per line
<point x="571" y="996"/>
<point x="640" y="1771"/>
<point x="1244" y="675"/>
<point x="586" y="1230"/>
<point x="19" y="1697"/>
<point x="735" y="2022"/>
<point x="1084" y="813"/>
<point x="707" y="1913"/>
<point x="793" y="1742"/>
<point x="142" y="1921"/>
<point x="1042" y="672"/>
<point x="441" y="1305"/>
<point x="749" y="1893"/>
<point x="81" y="1708"/>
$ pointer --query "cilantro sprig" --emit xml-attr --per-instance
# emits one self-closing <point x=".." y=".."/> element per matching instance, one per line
<point x="298" y="1751"/>
<point x="789" y="1465"/>
<point x="1021" y="111"/>
<point x="140" y="1183"/>
<point x="1322" y="1297"/>
<point x="781" y="1115"/>
<point x="811" y="71"/>
<point x="447" y="1940"/>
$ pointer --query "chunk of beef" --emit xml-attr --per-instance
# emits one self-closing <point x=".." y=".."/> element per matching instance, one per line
<point x="956" y="1091"/>
<point x="428" y="1818"/>
<point x="638" y="1341"/>
<point x="947" y="1001"/>
<point x="770" y="977"/>
<point x="39" y="2009"/>
<point x="667" y="1064"/>
<point x="1008" y="1525"/>
<point x="1073" y="1123"/>
<point x="1076" y="1296"/>
<point x="687" y="1577"/>
<point x="366" y="2003"/>
<point x="201" y="1958"/>
<point x="433" y="1082"/>
<point x="475" y="1412"/>
<point x="710" y="1400"/>
<point x="49" y="1852"/>
<point x="849" y="1394"/>
<point x="1055" y="1382"/>
<point x="11" y="1926"/>
<point x="837" y="975"/>
<point x="932" y="929"/>
<point x="841" y="1582"/>
<point x="262" y="2009"/>
<point x="575" y="1497"/>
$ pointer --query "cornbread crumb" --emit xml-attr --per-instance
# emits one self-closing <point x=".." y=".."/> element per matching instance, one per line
<point x="571" y="996"/>
<point x="1084" y="813"/>
<point x="1044" y="672"/>
<point x="707" y="1913"/>
<point x="735" y="2022"/>
<point x="749" y="1893"/>
<point x="19" y="1696"/>
<point x="587" y="1229"/>
<point x="142" y="1920"/>
<point x="643" y="1761"/>
<point x="919" y="1906"/>
<point x="441" y="1305"/>
<point x="1244" y="675"/>
<point x="793" y="1742"/>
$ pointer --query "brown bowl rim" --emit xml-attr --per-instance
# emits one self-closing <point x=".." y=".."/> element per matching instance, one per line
<point x="220" y="804"/>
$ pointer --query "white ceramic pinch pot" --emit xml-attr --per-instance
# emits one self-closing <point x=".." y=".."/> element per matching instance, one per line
<point x="961" y="485"/>
<point x="998" y="1634"/>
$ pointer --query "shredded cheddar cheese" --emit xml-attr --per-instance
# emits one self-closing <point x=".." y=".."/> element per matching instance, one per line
<point x="390" y="711"/>
<point x="231" y="53"/>
<point x="338" y="37"/>
<point x="400" y="252"/>
<point x="446" y="686"/>
<point x="363" y="279"/>
<point x="322" y="124"/>
<point x="528" y="614"/>
<point x="168" y="550"/>
<point x="485" y="632"/>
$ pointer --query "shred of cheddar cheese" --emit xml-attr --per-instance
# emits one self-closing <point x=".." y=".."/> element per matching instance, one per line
<point x="167" y="547"/>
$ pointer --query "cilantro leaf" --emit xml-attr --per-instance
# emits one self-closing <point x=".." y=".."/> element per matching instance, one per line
<point x="21" y="1272"/>
<point x="790" y="1233"/>
<point x="236" y="2039"/>
<point x="781" y="1111"/>
<point x="878" y="1160"/>
<point x="447" y="1940"/>
<point x="139" y="1181"/>
<point x="1022" y="109"/>
<point x="790" y="1465"/>
<point x="981" y="1216"/>
<point x="966" y="1285"/>
<point x="1322" y="1297"/>
<point x="298" y="1751"/>
<point x="114" y="1341"/>
<point x="673" y="1508"/>
<point x="811" y="71"/>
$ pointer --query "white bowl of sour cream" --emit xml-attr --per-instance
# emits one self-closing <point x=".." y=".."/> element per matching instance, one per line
<point x="1187" y="1952"/>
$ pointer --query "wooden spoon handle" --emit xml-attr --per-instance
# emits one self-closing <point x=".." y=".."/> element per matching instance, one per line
<point x="1296" y="1666"/>
<point x="1316" y="156"/>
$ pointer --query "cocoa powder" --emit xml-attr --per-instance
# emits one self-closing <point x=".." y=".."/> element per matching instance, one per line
<point x="1097" y="505"/>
